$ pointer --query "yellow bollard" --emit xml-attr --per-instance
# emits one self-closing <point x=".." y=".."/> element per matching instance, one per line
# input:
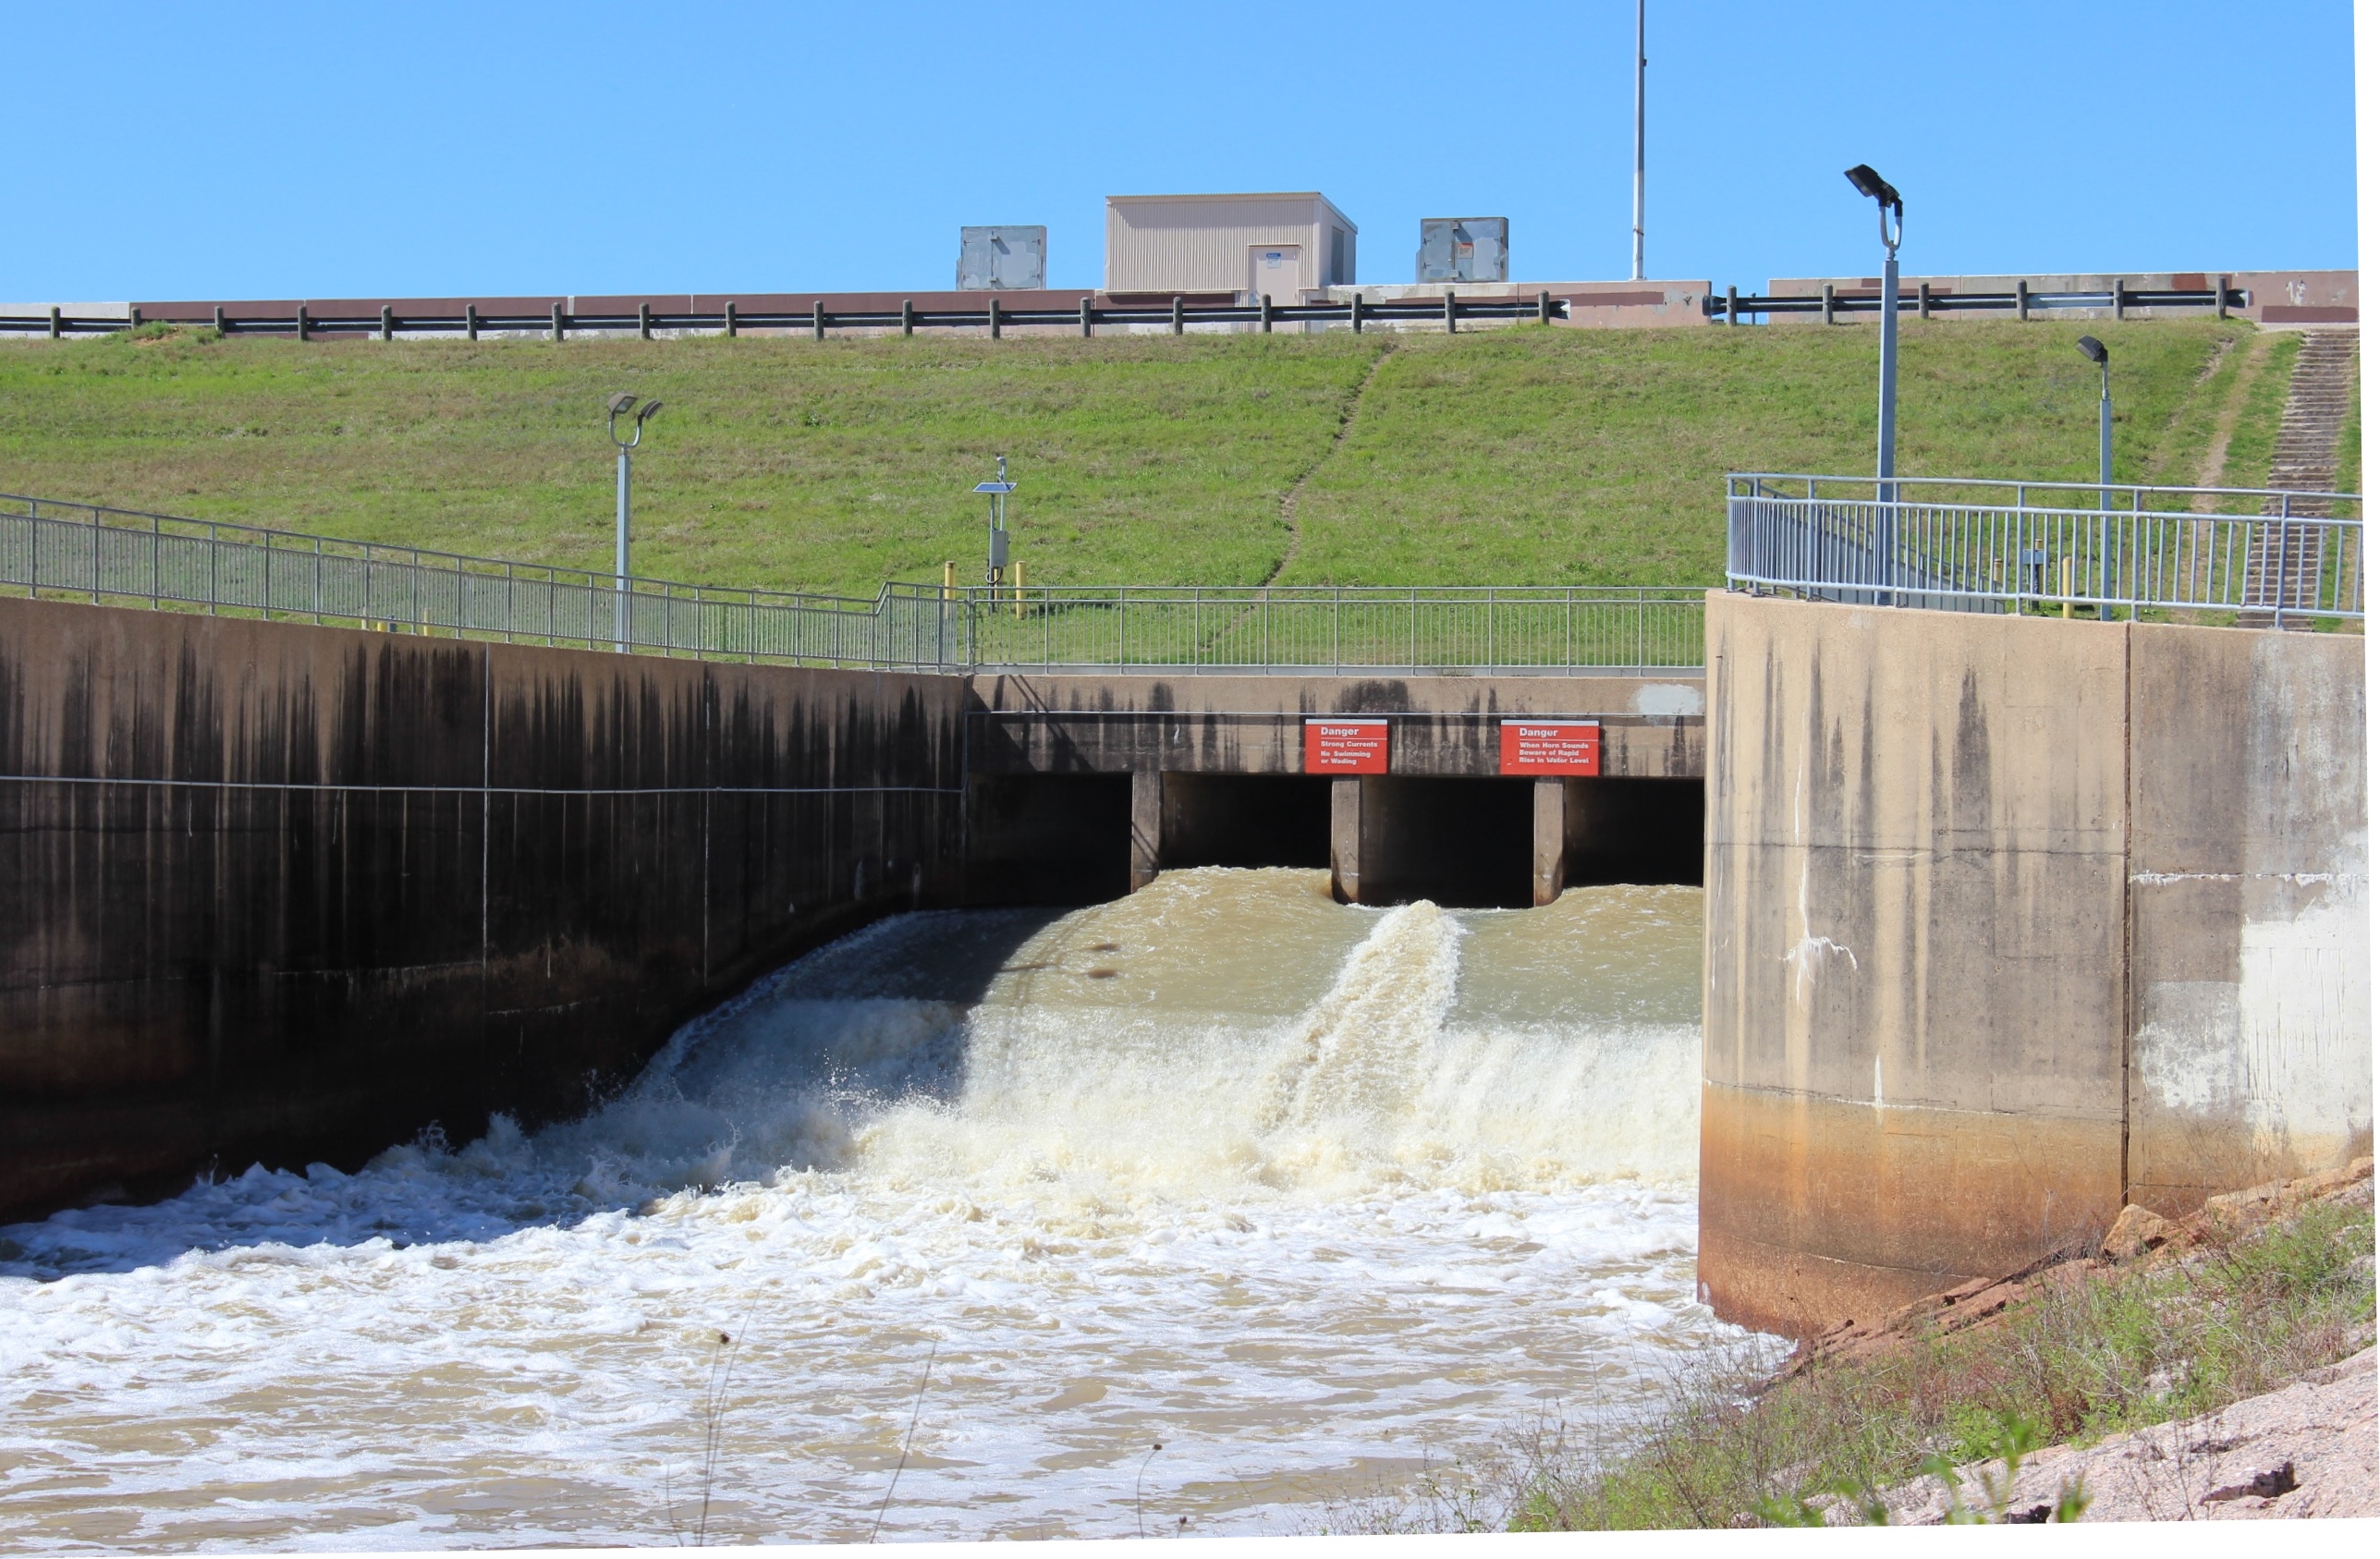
<point x="1019" y="570"/>
<point x="950" y="582"/>
<point x="2066" y="586"/>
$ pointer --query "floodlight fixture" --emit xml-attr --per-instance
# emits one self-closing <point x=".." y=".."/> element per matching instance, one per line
<point x="650" y="407"/>
<point x="1872" y="184"/>
<point x="619" y="404"/>
<point x="1869" y="182"/>
<point x="2093" y="347"/>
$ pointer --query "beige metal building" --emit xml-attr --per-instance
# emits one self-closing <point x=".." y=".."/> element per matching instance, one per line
<point x="1284" y="245"/>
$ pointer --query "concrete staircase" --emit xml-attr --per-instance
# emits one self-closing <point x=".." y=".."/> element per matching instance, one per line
<point x="2322" y="386"/>
<point x="2286" y="563"/>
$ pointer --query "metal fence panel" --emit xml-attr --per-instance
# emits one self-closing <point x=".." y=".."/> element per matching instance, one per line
<point x="2254" y="552"/>
<point x="123" y="557"/>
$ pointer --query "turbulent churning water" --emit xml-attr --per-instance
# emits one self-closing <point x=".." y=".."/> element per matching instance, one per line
<point x="1299" y="1190"/>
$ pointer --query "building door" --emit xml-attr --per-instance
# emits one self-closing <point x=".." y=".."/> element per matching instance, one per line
<point x="1275" y="270"/>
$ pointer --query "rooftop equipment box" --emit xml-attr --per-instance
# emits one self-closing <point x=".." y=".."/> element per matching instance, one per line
<point x="1003" y="259"/>
<point x="1463" y="249"/>
<point x="1281" y="246"/>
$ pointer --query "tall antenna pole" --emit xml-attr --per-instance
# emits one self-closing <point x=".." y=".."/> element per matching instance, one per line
<point x="1636" y="272"/>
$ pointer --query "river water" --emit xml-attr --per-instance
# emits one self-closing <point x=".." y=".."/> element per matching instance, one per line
<point x="1299" y="1191"/>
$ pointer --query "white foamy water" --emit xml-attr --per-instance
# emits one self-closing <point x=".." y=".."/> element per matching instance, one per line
<point x="1301" y="1191"/>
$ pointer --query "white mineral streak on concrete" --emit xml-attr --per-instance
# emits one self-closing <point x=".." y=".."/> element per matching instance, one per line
<point x="2305" y="1027"/>
<point x="2285" y="1048"/>
<point x="1810" y="952"/>
<point x="1669" y="698"/>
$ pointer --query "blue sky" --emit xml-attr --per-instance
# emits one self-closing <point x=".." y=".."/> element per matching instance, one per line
<point x="272" y="150"/>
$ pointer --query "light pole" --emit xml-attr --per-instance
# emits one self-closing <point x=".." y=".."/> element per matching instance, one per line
<point x="1636" y="272"/>
<point x="1869" y="182"/>
<point x="2093" y="347"/>
<point x="620" y="405"/>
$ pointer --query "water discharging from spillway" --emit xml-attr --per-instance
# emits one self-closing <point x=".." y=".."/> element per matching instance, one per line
<point x="1299" y="1191"/>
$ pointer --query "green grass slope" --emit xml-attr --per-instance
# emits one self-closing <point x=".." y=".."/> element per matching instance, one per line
<point x="1525" y="455"/>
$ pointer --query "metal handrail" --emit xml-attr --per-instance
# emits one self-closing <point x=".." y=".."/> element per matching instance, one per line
<point x="128" y="557"/>
<point x="2261" y="555"/>
<point x="1817" y="486"/>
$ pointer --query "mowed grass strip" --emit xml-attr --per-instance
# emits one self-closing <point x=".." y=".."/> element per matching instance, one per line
<point x="1596" y="458"/>
<point x="788" y="464"/>
<point x="1505" y="457"/>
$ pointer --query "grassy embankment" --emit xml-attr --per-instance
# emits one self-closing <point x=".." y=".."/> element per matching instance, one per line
<point x="2112" y="1347"/>
<point x="1527" y="456"/>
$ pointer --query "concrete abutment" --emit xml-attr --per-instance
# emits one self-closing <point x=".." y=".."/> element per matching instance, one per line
<point x="2010" y="921"/>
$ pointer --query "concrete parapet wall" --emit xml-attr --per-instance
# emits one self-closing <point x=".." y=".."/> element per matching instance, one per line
<point x="1386" y="838"/>
<point x="1652" y="727"/>
<point x="1939" y="846"/>
<point x="291" y="893"/>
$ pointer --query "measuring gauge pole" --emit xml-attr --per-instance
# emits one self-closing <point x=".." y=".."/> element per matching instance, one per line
<point x="997" y="552"/>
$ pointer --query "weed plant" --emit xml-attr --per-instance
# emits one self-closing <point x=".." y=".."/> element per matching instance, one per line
<point x="2120" y="1349"/>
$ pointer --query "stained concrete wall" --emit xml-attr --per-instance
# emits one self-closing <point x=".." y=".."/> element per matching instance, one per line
<point x="289" y="893"/>
<point x="293" y="893"/>
<point x="1984" y="896"/>
<point x="1446" y="725"/>
<point x="2251" y="919"/>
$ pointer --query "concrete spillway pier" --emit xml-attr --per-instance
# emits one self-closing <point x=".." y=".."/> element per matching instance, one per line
<point x="2011" y="921"/>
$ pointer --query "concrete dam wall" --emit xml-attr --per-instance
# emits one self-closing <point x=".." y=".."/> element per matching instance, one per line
<point x="2011" y="921"/>
<point x="283" y="893"/>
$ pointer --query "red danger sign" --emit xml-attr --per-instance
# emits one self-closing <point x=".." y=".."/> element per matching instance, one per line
<point x="1551" y="747"/>
<point x="1347" y="747"/>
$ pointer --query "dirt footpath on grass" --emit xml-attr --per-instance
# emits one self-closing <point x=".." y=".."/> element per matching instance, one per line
<point x="2312" y="1448"/>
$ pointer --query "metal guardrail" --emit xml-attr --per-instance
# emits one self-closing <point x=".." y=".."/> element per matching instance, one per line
<point x="2266" y="556"/>
<point x="1925" y="303"/>
<point x="1178" y="313"/>
<point x="130" y="558"/>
